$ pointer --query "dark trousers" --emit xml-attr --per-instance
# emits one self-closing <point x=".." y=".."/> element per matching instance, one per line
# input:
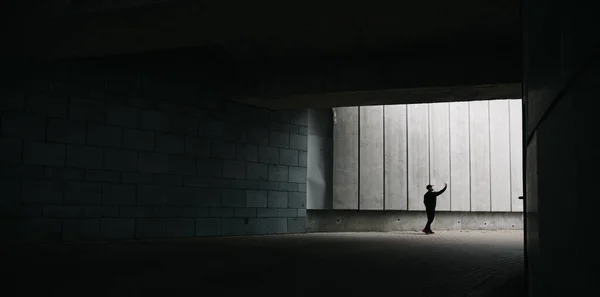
<point x="430" y="216"/>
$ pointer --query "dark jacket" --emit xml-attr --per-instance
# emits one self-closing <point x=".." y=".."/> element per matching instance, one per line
<point x="430" y="198"/>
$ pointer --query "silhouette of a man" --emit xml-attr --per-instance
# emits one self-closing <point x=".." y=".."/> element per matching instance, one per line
<point x="430" y="200"/>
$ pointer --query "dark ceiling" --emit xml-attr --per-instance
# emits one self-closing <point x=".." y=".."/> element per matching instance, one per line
<point x="252" y="29"/>
<point x="275" y="48"/>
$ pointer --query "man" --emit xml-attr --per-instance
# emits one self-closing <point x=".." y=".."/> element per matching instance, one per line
<point x="430" y="199"/>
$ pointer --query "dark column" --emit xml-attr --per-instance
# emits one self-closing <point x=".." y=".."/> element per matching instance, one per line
<point x="561" y="74"/>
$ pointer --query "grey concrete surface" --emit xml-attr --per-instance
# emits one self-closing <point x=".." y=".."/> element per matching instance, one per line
<point x="466" y="144"/>
<point x="320" y="159"/>
<point x="559" y="66"/>
<point x="460" y="172"/>
<point x="395" y="159"/>
<point x="345" y="158"/>
<point x="500" y="165"/>
<point x="439" y="151"/>
<point x="480" y="156"/>
<point x="352" y="264"/>
<point x="371" y="158"/>
<point x="516" y="154"/>
<point x="362" y="221"/>
<point x="418" y="154"/>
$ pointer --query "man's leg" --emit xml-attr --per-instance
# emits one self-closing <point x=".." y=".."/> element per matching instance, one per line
<point x="425" y="229"/>
<point x="429" y="220"/>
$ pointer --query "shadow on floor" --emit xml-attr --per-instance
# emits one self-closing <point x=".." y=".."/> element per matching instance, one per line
<point x="350" y="264"/>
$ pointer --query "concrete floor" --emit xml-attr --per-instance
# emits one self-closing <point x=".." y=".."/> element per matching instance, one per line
<point x="450" y="263"/>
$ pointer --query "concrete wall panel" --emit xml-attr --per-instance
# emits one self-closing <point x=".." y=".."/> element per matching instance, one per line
<point x="371" y="157"/>
<point x="460" y="178"/>
<point x="516" y="154"/>
<point x="500" y="155"/>
<point x="319" y="159"/>
<point x="439" y="153"/>
<point x="396" y="178"/>
<point x="418" y="154"/>
<point x="345" y="158"/>
<point x="480" y="156"/>
<point x="473" y="146"/>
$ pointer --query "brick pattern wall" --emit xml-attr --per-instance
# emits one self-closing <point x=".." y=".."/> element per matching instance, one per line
<point x="99" y="156"/>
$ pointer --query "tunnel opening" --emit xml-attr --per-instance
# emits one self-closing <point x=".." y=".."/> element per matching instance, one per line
<point x="375" y="161"/>
<point x="368" y="167"/>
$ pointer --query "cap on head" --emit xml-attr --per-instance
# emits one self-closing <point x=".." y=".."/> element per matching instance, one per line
<point x="429" y="187"/>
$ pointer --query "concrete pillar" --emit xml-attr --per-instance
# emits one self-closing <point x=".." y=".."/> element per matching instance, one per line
<point x="439" y="152"/>
<point x="516" y="155"/>
<point x="561" y="74"/>
<point x="418" y="154"/>
<point x="500" y="155"/>
<point x="320" y="159"/>
<point x="480" y="155"/>
<point x="396" y="181"/>
<point x="460" y="173"/>
<point x="345" y="158"/>
<point x="371" y="157"/>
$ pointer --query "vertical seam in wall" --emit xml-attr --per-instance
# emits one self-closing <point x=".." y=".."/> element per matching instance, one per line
<point x="490" y="151"/>
<point x="406" y="136"/>
<point x="510" y="185"/>
<point x="383" y="167"/>
<point x="470" y="181"/>
<point x="358" y="163"/>
<point x="429" y="141"/>
<point x="449" y="156"/>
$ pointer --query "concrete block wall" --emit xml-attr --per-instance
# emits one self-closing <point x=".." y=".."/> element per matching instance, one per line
<point x="97" y="153"/>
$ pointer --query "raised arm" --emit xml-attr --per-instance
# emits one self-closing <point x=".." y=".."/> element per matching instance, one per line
<point x="440" y="192"/>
